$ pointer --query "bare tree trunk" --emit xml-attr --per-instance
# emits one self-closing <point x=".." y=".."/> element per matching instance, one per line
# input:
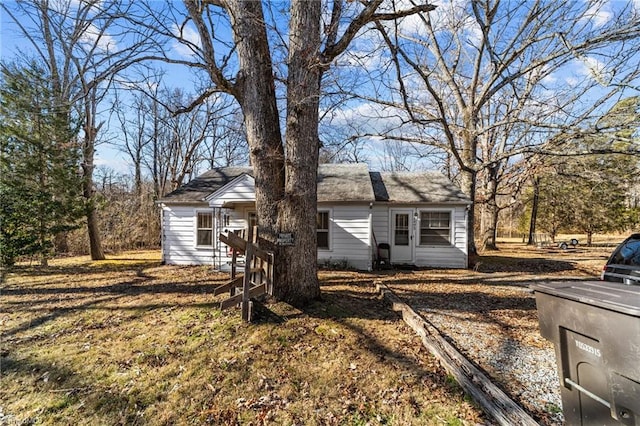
<point x="534" y="210"/>
<point x="589" y="238"/>
<point x="285" y="186"/>
<point x="285" y="191"/>
<point x="299" y="207"/>
<point x="490" y="221"/>
<point x="93" y="230"/>
<point x="257" y="97"/>
<point x="469" y="177"/>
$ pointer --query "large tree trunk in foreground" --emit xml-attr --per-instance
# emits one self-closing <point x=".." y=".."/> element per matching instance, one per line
<point x="286" y="197"/>
<point x="299" y="207"/>
<point x="286" y="185"/>
<point x="285" y="194"/>
<point x="285" y="191"/>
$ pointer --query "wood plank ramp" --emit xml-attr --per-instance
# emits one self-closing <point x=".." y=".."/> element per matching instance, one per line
<point x="491" y="398"/>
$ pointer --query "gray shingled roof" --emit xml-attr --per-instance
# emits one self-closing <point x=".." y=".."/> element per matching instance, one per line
<point x="199" y="188"/>
<point x="416" y="187"/>
<point x="344" y="182"/>
<point x="339" y="182"/>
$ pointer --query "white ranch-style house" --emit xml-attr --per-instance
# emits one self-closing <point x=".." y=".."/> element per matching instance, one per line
<point x="421" y="216"/>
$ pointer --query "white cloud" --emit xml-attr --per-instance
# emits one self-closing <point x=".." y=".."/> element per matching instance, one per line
<point x="585" y="67"/>
<point x="595" y="69"/>
<point x="549" y="80"/>
<point x="454" y="16"/>
<point x="93" y="36"/>
<point x="572" y="81"/>
<point x="70" y="8"/>
<point x="599" y="15"/>
<point x="367" y="117"/>
<point x="191" y="39"/>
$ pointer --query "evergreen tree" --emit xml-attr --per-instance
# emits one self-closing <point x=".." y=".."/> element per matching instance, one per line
<point x="591" y="193"/>
<point x="40" y="187"/>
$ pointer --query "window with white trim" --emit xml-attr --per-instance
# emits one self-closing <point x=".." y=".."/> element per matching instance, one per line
<point x="322" y="227"/>
<point x="204" y="229"/>
<point x="435" y="228"/>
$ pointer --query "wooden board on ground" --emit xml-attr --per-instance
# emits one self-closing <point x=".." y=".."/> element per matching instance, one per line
<point x="492" y="399"/>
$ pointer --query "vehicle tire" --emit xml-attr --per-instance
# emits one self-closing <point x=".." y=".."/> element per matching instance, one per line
<point x="574" y="242"/>
<point x="564" y="246"/>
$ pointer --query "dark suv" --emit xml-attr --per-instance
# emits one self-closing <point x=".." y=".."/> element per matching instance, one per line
<point x="624" y="264"/>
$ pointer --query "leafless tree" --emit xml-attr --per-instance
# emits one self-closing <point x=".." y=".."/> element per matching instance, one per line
<point x="245" y="67"/>
<point x="487" y="81"/>
<point x="171" y="144"/>
<point x="84" y="45"/>
<point x="132" y="128"/>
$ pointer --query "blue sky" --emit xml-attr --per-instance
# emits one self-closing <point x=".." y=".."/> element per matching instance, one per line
<point x="366" y="116"/>
<point x="12" y="43"/>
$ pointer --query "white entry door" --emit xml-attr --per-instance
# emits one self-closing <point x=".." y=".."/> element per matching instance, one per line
<point x="401" y="236"/>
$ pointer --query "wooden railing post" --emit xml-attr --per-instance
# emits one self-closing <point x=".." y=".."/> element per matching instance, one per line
<point x="246" y="285"/>
<point x="258" y="272"/>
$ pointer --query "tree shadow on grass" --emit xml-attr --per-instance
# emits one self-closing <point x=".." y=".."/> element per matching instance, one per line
<point x="353" y="307"/>
<point x="96" y="267"/>
<point x="347" y="299"/>
<point x="535" y="265"/>
<point x="343" y="304"/>
<point x="73" y="290"/>
<point x="59" y="387"/>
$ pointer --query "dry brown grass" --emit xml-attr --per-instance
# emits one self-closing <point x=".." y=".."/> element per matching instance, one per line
<point x="129" y="341"/>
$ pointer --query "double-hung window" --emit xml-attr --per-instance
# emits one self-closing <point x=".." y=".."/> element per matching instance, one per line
<point x="322" y="227"/>
<point x="435" y="228"/>
<point x="204" y="229"/>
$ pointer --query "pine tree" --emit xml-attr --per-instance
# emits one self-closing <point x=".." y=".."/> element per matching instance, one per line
<point x="590" y="193"/>
<point x="40" y="187"/>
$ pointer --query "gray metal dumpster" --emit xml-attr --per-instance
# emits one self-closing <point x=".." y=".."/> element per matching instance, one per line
<point x="595" y="328"/>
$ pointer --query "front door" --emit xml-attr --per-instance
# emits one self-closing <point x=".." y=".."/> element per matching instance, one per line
<point x="401" y="236"/>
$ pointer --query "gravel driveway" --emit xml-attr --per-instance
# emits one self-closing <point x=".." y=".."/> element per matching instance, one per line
<point x="491" y="318"/>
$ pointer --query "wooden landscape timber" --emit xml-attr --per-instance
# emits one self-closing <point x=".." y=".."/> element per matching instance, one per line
<point x="474" y="382"/>
<point x="258" y="272"/>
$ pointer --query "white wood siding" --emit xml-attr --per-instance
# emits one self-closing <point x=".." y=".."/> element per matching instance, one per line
<point x="179" y="232"/>
<point x="240" y="190"/>
<point x="381" y="224"/>
<point x="454" y="256"/>
<point x="349" y="237"/>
